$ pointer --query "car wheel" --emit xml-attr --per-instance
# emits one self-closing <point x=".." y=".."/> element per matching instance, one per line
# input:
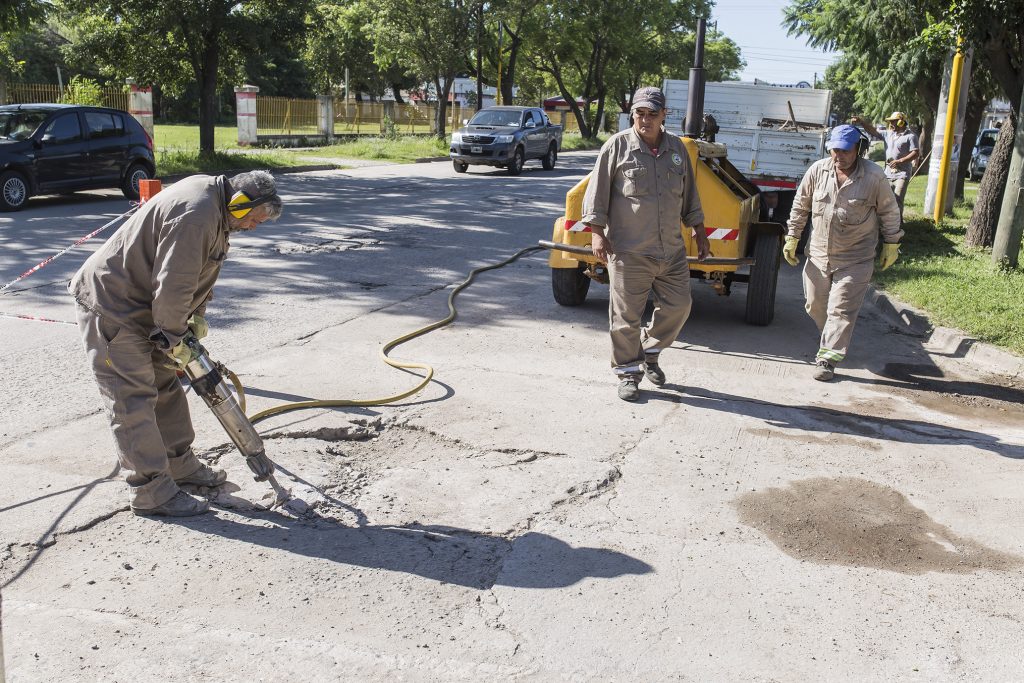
<point x="135" y="173"/>
<point x="459" y="166"/>
<point x="515" y="166"/>
<point x="13" y="191"/>
<point x="550" y="158"/>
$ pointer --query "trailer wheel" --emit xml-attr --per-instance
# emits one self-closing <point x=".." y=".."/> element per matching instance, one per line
<point x="570" y="285"/>
<point x="764" y="276"/>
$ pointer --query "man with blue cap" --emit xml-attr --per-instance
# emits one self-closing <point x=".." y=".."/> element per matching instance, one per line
<point x="850" y="204"/>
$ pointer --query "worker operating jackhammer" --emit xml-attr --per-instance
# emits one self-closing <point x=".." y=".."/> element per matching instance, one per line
<point x="139" y="295"/>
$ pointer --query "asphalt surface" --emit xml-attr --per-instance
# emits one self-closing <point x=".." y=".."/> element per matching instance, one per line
<point x="515" y="520"/>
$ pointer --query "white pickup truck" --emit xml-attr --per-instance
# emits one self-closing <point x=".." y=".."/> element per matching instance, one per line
<point x="772" y="133"/>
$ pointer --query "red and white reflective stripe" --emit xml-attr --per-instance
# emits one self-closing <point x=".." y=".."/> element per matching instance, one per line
<point x="576" y="226"/>
<point x="722" y="234"/>
<point x="775" y="184"/>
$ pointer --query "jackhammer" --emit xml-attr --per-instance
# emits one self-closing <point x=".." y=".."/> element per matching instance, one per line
<point x="207" y="378"/>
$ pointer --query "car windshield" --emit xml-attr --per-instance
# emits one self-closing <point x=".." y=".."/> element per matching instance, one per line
<point x="20" y="124"/>
<point x="496" y="118"/>
<point x="987" y="140"/>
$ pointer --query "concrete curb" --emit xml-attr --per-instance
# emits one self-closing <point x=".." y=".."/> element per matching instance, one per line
<point x="946" y="341"/>
<point x="427" y="160"/>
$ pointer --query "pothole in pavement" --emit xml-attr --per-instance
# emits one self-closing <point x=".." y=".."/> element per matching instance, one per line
<point x="323" y="246"/>
<point x="859" y="523"/>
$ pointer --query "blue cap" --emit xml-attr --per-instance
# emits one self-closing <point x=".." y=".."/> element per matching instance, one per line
<point x="843" y="137"/>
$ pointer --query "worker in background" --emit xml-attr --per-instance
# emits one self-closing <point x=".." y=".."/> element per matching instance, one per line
<point x="138" y="295"/>
<point x="642" y="188"/>
<point x="850" y="204"/>
<point x="901" y="151"/>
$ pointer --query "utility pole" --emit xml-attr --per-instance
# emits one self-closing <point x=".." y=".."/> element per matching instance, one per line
<point x="1006" y="245"/>
<point x="498" y="94"/>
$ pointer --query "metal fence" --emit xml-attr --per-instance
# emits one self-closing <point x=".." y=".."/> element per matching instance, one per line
<point x="284" y="116"/>
<point x="30" y="93"/>
<point x="372" y="118"/>
<point x="564" y="119"/>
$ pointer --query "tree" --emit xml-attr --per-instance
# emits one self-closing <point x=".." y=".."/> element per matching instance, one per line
<point x="429" y="37"/>
<point x="883" y="61"/>
<point x="670" y="55"/>
<point x="16" y="16"/>
<point x="337" y="39"/>
<point x="181" y="42"/>
<point x="608" y="39"/>
<point x="997" y="36"/>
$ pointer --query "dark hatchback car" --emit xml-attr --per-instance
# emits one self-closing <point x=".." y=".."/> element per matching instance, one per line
<point x="64" y="148"/>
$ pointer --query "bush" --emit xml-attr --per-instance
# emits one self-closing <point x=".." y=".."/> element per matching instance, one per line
<point x="83" y="91"/>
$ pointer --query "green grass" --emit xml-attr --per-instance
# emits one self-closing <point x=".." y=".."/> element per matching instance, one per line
<point x="184" y="137"/>
<point x="176" y="162"/>
<point x="957" y="285"/>
<point x="405" y="148"/>
<point x="573" y="142"/>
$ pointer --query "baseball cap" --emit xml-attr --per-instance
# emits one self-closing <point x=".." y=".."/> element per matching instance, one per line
<point x="650" y="97"/>
<point x="843" y="137"/>
<point x="897" y="116"/>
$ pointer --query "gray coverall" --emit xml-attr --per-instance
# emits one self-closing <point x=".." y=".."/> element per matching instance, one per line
<point x="641" y="199"/>
<point x="845" y="222"/>
<point x="897" y="146"/>
<point x="135" y="295"/>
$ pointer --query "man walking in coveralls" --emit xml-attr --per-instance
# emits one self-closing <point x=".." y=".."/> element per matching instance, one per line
<point x="138" y="295"/>
<point x="850" y="202"/>
<point x="641" y="189"/>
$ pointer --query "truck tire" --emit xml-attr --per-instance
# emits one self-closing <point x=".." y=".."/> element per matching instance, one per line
<point x="459" y="166"/>
<point x="13" y="191"/>
<point x="570" y="285"/>
<point x="764" y="275"/>
<point x="515" y="164"/>
<point x="550" y="158"/>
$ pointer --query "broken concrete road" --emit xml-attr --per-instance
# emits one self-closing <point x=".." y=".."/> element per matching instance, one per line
<point x="515" y="520"/>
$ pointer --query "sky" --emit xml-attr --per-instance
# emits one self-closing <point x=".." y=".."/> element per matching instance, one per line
<point x="771" y="55"/>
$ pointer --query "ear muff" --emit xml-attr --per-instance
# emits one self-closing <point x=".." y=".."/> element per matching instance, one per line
<point x="241" y="203"/>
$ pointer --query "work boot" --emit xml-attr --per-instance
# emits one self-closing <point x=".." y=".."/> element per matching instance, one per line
<point x="653" y="371"/>
<point x="629" y="387"/>
<point x="204" y="476"/>
<point x="824" y="371"/>
<point x="182" y="505"/>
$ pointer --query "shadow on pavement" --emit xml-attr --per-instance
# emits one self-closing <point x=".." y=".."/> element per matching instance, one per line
<point x="441" y="553"/>
<point x="830" y="420"/>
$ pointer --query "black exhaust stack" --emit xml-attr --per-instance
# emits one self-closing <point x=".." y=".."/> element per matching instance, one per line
<point x="695" y="92"/>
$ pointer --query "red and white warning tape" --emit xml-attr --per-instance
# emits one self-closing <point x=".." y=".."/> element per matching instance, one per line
<point x="39" y="266"/>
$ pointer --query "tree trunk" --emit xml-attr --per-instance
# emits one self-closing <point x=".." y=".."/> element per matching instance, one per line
<point x="509" y="76"/>
<point x="441" y="115"/>
<point x="972" y="122"/>
<point x="982" y="228"/>
<point x="208" y="95"/>
<point x="397" y="92"/>
<point x="480" y="57"/>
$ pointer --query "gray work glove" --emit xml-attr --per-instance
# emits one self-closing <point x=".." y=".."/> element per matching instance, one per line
<point x="260" y="465"/>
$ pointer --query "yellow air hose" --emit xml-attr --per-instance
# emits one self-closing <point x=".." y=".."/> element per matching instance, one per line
<point x="334" y="403"/>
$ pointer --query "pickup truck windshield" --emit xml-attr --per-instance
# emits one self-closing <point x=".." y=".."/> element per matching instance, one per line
<point x="18" y="125"/>
<point x="496" y="118"/>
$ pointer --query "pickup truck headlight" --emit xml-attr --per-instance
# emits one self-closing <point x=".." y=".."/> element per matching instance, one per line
<point x="456" y="138"/>
<point x="504" y="139"/>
